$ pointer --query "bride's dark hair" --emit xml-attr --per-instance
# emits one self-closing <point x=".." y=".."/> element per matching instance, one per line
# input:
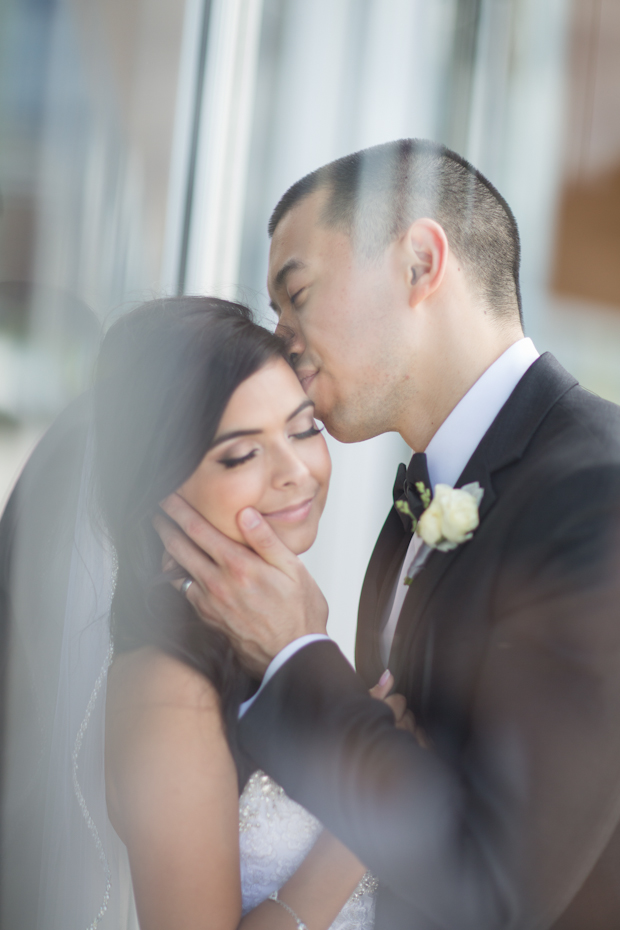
<point x="165" y="374"/>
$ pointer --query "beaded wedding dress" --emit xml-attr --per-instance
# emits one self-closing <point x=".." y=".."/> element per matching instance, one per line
<point x="275" y="835"/>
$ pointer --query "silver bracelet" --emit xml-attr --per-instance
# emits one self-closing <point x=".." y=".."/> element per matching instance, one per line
<point x="300" y="924"/>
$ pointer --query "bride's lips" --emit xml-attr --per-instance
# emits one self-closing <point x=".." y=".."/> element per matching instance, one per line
<point x="295" y="513"/>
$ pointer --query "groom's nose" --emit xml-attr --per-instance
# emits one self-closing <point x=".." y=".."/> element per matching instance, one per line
<point x="292" y="338"/>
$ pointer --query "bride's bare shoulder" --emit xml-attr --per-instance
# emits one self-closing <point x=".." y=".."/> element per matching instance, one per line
<point x="146" y="679"/>
<point x="163" y="725"/>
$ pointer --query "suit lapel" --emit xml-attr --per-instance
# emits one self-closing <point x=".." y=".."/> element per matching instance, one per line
<point x="382" y="569"/>
<point x="504" y="443"/>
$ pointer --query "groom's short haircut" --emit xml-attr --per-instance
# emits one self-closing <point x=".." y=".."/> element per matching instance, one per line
<point x="375" y="195"/>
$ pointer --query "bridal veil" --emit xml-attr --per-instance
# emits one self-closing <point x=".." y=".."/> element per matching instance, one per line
<point x="63" y="866"/>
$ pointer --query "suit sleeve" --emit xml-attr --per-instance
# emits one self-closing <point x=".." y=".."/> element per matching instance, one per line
<point x="503" y="835"/>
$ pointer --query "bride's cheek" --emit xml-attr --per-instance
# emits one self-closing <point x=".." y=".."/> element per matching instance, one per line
<point x="321" y="466"/>
<point x="235" y="497"/>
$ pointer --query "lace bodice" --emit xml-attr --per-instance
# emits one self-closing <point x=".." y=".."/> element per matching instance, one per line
<point x="275" y="835"/>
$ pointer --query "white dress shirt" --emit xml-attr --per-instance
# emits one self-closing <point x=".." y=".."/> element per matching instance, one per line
<point x="447" y="454"/>
<point x="451" y="448"/>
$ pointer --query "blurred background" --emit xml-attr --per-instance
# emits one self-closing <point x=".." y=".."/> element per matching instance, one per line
<point x="143" y="144"/>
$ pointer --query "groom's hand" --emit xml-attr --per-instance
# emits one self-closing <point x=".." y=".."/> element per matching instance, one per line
<point x="262" y="597"/>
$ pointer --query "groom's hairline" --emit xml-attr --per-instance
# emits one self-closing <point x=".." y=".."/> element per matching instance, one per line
<point x="504" y="300"/>
<point x="317" y="180"/>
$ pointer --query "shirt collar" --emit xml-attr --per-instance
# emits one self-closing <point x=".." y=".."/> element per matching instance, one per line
<point x="459" y="435"/>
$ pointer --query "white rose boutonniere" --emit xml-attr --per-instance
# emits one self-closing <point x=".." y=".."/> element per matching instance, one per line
<point x="451" y="517"/>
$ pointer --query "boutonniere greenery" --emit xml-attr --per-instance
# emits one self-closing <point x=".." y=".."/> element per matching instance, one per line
<point x="449" y="518"/>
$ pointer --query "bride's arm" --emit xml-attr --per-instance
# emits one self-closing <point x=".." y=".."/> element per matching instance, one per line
<point x="171" y="786"/>
<point x="316" y="892"/>
<point x="172" y="797"/>
<point x="330" y="872"/>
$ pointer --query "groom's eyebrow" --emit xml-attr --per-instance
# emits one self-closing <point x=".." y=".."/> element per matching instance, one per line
<point x="235" y="434"/>
<point x="293" y="264"/>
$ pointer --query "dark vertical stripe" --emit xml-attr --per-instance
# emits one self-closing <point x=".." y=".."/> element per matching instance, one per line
<point x="461" y="80"/>
<point x="594" y="30"/>
<point x="193" y="149"/>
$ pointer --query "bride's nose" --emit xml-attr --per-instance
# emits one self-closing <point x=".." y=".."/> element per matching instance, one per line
<point x="288" y="467"/>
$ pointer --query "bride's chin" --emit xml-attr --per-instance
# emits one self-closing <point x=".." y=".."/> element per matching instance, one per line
<point x="303" y="549"/>
<point x="300" y="541"/>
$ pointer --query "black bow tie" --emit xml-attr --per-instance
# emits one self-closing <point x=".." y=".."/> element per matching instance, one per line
<point x="412" y="488"/>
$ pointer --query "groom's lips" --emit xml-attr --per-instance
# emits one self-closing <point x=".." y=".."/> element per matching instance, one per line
<point x="306" y="378"/>
<point x="295" y="513"/>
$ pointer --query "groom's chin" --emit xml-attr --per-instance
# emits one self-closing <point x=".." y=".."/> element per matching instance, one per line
<point x="346" y="426"/>
<point x="347" y="432"/>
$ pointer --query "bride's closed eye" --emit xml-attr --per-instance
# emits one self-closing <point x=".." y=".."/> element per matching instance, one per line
<point x="314" y="430"/>
<point x="234" y="462"/>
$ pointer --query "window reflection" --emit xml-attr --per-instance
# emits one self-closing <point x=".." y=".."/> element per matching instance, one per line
<point x="145" y="143"/>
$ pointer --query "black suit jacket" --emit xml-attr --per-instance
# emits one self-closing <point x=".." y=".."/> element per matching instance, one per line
<point x="508" y="651"/>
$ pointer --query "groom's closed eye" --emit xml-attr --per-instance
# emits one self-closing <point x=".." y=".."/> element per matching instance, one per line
<point x="294" y="298"/>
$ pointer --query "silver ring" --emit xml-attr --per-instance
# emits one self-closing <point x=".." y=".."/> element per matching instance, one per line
<point x="186" y="586"/>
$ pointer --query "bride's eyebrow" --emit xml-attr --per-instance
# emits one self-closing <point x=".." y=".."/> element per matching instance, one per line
<point x="235" y="434"/>
<point x="305" y="403"/>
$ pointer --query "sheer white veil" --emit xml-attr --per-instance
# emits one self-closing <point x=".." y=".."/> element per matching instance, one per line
<point x="54" y="815"/>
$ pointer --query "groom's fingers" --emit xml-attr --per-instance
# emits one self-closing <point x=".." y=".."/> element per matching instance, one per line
<point x="224" y="551"/>
<point x="262" y="539"/>
<point x="193" y="563"/>
<point x="196" y="528"/>
<point x="183" y="551"/>
<point x="220" y="566"/>
<point x="259" y="593"/>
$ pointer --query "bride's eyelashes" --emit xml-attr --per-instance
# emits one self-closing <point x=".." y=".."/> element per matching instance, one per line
<point x="307" y="434"/>
<point x="234" y="462"/>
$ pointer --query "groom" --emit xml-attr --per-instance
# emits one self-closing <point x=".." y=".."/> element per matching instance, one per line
<point x="394" y="274"/>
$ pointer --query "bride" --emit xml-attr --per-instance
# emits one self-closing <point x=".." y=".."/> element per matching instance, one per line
<point x="192" y="396"/>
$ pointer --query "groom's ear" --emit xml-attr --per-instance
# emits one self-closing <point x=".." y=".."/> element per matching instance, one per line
<point x="424" y="256"/>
